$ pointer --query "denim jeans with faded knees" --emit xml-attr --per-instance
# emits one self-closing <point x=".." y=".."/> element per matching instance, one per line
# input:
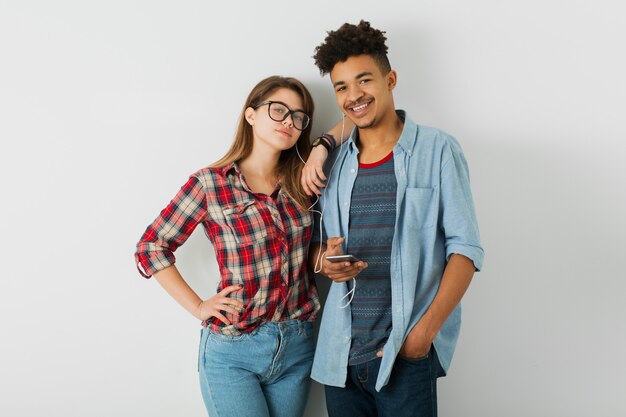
<point x="264" y="373"/>
<point x="410" y="392"/>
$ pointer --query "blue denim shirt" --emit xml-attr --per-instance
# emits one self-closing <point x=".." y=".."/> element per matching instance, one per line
<point x="434" y="218"/>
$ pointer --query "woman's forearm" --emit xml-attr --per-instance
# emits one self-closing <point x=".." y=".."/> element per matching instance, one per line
<point x="171" y="280"/>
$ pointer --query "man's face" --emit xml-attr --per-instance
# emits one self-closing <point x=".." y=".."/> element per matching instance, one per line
<point x="362" y="91"/>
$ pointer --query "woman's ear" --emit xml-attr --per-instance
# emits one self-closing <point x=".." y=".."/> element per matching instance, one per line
<point x="250" y="114"/>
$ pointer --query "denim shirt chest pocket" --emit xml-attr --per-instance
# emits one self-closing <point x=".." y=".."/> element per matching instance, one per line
<point x="246" y="223"/>
<point x="421" y="206"/>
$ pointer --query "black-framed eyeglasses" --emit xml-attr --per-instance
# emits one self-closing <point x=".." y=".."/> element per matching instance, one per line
<point x="278" y="111"/>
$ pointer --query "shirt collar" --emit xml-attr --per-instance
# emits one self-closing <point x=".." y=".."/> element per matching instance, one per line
<point x="408" y="135"/>
<point x="233" y="168"/>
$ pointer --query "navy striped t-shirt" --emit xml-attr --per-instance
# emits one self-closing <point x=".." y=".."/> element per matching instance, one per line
<point x="370" y="233"/>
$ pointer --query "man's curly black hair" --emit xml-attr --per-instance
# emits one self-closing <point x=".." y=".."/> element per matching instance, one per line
<point x="352" y="40"/>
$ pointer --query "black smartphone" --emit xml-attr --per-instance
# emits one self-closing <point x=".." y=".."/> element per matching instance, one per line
<point x="342" y="258"/>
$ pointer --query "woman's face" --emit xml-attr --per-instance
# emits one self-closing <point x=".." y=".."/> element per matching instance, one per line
<point x="272" y="134"/>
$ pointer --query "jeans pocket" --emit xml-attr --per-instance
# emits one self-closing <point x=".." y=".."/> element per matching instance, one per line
<point x="306" y="328"/>
<point x="414" y="360"/>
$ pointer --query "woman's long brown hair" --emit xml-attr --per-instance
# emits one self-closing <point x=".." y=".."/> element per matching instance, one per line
<point x="289" y="166"/>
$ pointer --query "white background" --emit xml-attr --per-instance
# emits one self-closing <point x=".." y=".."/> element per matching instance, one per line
<point x="107" y="107"/>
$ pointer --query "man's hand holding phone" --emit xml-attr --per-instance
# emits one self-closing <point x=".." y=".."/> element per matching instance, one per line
<point x="338" y="269"/>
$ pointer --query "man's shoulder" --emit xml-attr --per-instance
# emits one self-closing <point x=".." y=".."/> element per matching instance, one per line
<point x="423" y="137"/>
<point x="434" y="135"/>
<point x="432" y="139"/>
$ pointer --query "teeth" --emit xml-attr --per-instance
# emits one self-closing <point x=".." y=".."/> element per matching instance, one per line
<point x="361" y="107"/>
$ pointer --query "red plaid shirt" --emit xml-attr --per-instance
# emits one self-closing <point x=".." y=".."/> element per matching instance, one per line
<point x="260" y="241"/>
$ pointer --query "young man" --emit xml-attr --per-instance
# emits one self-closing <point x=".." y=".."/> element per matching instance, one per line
<point x="398" y="199"/>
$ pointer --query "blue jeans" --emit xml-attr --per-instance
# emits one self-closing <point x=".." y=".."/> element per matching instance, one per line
<point x="262" y="373"/>
<point x="411" y="390"/>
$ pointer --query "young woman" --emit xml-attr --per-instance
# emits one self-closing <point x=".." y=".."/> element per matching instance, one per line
<point x="256" y="349"/>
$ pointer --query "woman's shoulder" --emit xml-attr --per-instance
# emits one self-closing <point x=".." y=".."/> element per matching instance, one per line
<point x="209" y="177"/>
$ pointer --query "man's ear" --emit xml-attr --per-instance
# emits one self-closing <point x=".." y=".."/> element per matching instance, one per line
<point x="250" y="115"/>
<point x="392" y="79"/>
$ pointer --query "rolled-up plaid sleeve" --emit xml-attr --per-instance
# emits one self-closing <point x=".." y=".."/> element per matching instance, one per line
<point x="155" y="249"/>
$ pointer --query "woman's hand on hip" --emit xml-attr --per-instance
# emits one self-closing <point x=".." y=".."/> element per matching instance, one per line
<point x="219" y="303"/>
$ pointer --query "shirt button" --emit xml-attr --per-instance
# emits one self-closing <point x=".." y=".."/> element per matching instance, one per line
<point x="353" y="170"/>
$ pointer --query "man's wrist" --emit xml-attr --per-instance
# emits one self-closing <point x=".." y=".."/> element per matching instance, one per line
<point x="323" y="149"/>
<point x="325" y="140"/>
<point x="428" y="325"/>
<point x="331" y="139"/>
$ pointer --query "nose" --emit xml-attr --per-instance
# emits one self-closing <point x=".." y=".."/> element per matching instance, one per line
<point x="354" y="94"/>
<point x="288" y="120"/>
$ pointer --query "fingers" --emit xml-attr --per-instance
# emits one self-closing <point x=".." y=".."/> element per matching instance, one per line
<point x="215" y="309"/>
<point x="304" y="181"/>
<point x="223" y="299"/>
<point x="229" y="308"/>
<point x="311" y="180"/>
<point x="227" y="290"/>
<point x="339" y="271"/>
<point x="222" y="318"/>
<point x="318" y="182"/>
<point x="320" y="173"/>
<point x="314" y="188"/>
<point x="312" y="177"/>
<point x="221" y="303"/>
<point x="343" y="272"/>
